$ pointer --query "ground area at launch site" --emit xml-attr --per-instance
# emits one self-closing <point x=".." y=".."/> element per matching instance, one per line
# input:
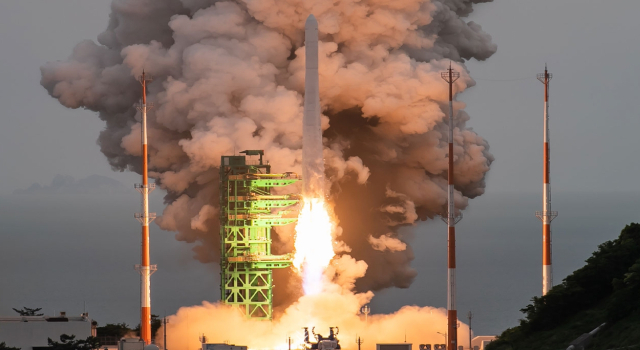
<point x="70" y="245"/>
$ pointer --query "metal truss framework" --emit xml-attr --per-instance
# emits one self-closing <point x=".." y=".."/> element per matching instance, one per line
<point x="248" y="212"/>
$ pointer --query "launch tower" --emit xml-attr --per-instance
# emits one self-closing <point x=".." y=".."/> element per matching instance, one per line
<point x="248" y="212"/>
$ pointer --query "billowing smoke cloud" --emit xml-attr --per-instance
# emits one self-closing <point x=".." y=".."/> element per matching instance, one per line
<point x="229" y="76"/>
<point x="386" y="242"/>
<point x="337" y="305"/>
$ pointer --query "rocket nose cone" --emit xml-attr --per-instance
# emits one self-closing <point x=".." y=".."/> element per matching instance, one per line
<point x="311" y="21"/>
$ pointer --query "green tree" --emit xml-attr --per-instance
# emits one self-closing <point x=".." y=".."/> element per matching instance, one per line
<point x="69" y="342"/>
<point x="611" y="276"/>
<point x="587" y="285"/>
<point x="25" y="311"/>
<point x="625" y="299"/>
<point x="4" y="346"/>
<point x="156" y="323"/>
<point x="117" y="330"/>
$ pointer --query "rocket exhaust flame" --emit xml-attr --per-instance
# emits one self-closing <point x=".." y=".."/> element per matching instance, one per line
<point x="222" y="323"/>
<point x="313" y="244"/>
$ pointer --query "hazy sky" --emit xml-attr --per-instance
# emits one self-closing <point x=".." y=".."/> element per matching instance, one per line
<point x="39" y="138"/>
<point x="591" y="48"/>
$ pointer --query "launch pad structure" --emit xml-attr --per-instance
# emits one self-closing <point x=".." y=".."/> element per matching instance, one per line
<point x="248" y="213"/>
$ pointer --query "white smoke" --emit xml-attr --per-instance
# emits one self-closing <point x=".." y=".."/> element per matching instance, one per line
<point x="229" y="76"/>
<point x="337" y="305"/>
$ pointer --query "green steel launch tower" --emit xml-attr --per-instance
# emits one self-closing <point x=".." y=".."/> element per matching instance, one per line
<point x="248" y="212"/>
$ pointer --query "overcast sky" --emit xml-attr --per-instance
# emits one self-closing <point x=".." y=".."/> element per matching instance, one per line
<point x="591" y="47"/>
<point x="39" y="138"/>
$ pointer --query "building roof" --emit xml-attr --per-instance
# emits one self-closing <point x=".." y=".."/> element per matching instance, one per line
<point x="62" y="318"/>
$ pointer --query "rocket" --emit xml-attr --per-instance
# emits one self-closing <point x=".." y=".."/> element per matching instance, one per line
<point x="312" y="160"/>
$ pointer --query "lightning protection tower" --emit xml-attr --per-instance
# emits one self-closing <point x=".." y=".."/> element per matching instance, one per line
<point x="248" y="212"/>
<point x="546" y="215"/>
<point x="450" y="76"/>
<point x="145" y="218"/>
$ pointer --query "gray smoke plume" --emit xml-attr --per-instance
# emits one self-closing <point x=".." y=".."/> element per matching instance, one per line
<point x="229" y="76"/>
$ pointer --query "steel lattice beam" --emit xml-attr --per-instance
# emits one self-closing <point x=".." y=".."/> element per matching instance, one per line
<point x="248" y="211"/>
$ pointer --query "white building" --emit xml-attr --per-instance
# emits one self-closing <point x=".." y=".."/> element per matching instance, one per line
<point x="32" y="332"/>
<point x="482" y="340"/>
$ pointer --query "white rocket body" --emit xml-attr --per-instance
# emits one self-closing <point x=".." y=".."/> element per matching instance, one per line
<point x="312" y="159"/>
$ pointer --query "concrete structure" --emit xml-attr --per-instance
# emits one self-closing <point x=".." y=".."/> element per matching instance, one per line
<point x="546" y="215"/>
<point x="29" y="332"/>
<point x="450" y="76"/>
<point x="145" y="218"/>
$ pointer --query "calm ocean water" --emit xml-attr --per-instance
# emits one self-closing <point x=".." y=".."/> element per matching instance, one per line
<point x="61" y="252"/>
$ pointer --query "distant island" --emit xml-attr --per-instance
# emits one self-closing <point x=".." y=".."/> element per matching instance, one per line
<point x="65" y="184"/>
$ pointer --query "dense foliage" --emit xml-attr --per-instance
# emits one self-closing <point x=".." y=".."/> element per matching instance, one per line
<point x="117" y="330"/>
<point x="69" y="342"/>
<point x="609" y="282"/>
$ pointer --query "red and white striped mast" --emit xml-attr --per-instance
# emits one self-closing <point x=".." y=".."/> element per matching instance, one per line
<point x="450" y="76"/>
<point x="145" y="218"/>
<point x="546" y="215"/>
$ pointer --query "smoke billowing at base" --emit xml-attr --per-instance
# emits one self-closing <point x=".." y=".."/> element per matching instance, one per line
<point x="335" y="306"/>
<point x="229" y="76"/>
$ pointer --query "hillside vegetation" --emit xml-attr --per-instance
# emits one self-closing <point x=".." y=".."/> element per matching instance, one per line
<point x="606" y="289"/>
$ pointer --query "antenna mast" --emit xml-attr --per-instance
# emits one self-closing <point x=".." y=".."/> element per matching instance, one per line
<point x="145" y="218"/>
<point x="546" y="215"/>
<point x="366" y="310"/>
<point x="359" y="341"/>
<point x="450" y="76"/>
